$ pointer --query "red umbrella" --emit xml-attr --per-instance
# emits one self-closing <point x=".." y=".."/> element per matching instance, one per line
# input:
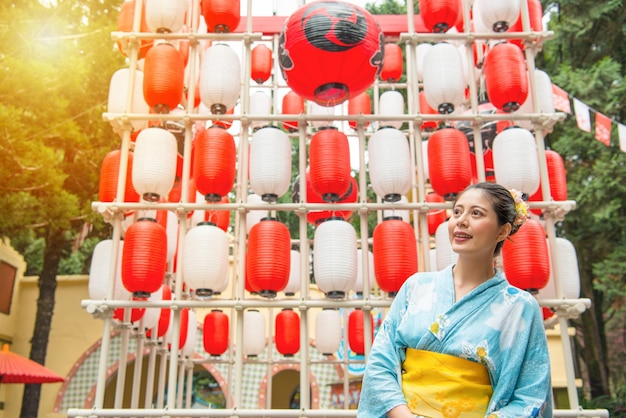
<point x="18" y="369"/>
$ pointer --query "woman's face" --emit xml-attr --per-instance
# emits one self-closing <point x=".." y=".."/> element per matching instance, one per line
<point x="473" y="227"/>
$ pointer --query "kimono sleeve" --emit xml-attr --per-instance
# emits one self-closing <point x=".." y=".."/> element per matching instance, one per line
<point x="381" y="389"/>
<point x="532" y="394"/>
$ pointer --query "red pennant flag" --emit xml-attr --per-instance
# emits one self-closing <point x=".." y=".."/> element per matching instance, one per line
<point x="603" y="129"/>
<point x="561" y="99"/>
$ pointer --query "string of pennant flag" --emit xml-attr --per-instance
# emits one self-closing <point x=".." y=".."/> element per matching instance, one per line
<point x="582" y="111"/>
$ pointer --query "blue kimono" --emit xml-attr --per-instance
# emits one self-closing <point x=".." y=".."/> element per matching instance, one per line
<point x="496" y="324"/>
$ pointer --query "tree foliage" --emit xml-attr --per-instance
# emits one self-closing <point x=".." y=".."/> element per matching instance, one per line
<point x="587" y="58"/>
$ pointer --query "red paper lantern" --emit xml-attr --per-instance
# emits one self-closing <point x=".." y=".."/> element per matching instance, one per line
<point x="125" y="24"/>
<point x="357" y="105"/>
<point x="356" y="331"/>
<point x="439" y="15"/>
<point x="340" y="37"/>
<point x="135" y="313"/>
<point x="215" y="332"/>
<point x="395" y="253"/>
<point x="556" y="178"/>
<point x="293" y="104"/>
<point x="164" y="317"/>
<point x="535" y="14"/>
<point x="221" y="218"/>
<point x="214" y="162"/>
<point x="505" y="77"/>
<point x="435" y="217"/>
<point x="184" y="329"/>
<point x="525" y="258"/>
<point x="269" y="245"/>
<point x="329" y="156"/>
<point x="449" y="164"/>
<point x="261" y="62"/>
<point x="144" y="257"/>
<point x="109" y="174"/>
<point x="287" y="332"/>
<point x="221" y="16"/>
<point x="315" y="217"/>
<point x="164" y="75"/>
<point x="426" y="109"/>
<point x="392" y="64"/>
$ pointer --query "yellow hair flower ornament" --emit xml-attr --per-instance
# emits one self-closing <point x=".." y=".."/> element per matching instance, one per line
<point x="521" y="207"/>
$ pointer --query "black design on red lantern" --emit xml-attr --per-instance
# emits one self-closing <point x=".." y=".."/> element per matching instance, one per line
<point x="336" y="35"/>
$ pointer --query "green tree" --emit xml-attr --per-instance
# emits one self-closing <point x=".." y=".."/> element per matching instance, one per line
<point x="586" y="58"/>
<point x="57" y="58"/>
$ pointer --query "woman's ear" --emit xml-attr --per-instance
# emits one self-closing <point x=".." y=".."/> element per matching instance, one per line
<point x="505" y="230"/>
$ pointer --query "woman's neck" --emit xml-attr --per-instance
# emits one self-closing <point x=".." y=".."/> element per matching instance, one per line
<point x="469" y="274"/>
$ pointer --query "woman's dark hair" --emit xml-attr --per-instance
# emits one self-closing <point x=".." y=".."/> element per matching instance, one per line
<point x="503" y="204"/>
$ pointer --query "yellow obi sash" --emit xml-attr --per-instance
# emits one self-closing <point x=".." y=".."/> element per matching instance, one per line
<point x="441" y="385"/>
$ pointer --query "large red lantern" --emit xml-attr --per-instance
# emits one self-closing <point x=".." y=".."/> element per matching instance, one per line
<point x="261" y="63"/>
<point x="439" y="15"/>
<point x="287" y="332"/>
<point x="449" y="165"/>
<point x="392" y="65"/>
<point x="144" y="257"/>
<point x="329" y="156"/>
<point x="356" y="331"/>
<point x="535" y="14"/>
<point x="221" y="16"/>
<point x="268" y="262"/>
<point x="506" y="80"/>
<point x="214" y="162"/>
<point x="215" y="333"/>
<point x="109" y="174"/>
<point x="525" y="258"/>
<point x="395" y="253"/>
<point x="340" y="37"/>
<point x="359" y="105"/>
<point x="293" y="104"/>
<point x="164" y="78"/>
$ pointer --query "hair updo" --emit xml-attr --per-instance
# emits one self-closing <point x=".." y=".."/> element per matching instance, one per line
<point x="503" y="205"/>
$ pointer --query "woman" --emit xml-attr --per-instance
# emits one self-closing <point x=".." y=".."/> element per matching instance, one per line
<point x="462" y="342"/>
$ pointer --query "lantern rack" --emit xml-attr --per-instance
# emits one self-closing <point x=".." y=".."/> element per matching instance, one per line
<point x="181" y="367"/>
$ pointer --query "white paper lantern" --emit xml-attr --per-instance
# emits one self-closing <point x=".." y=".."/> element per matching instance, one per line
<point x="192" y="335"/>
<point x="165" y="16"/>
<point x="253" y="333"/>
<point x="497" y="15"/>
<point x="360" y="274"/>
<point x="515" y="160"/>
<point x="260" y="104"/>
<point x="220" y="78"/>
<point x="118" y="91"/>
<point x="402" y="213"/>
<point x="328" y="331"/>
<point x="389" y="163"/>
<point x="422" y="50"/>
<point x="391" y="103"/>
<point x="254" y="216"/>
<point x="154" y="163"/>
<point x="545" y="100"/>
<point x="316" y="109"/>
<point x="335" y="257"/>
<point x="445" y="256"/>
<point x="270" y="163"/>
<point x="152" y="315"/>
<point x="566" y="264"/>
<point x="444" y="81"/>
<point x="100" y="274"/>
<point x="293" y="285"/>
<point x="205" y="260"/>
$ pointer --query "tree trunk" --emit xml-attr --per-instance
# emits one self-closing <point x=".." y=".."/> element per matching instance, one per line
<point x="594" y="352"/>
<point x="45" y="307"/>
